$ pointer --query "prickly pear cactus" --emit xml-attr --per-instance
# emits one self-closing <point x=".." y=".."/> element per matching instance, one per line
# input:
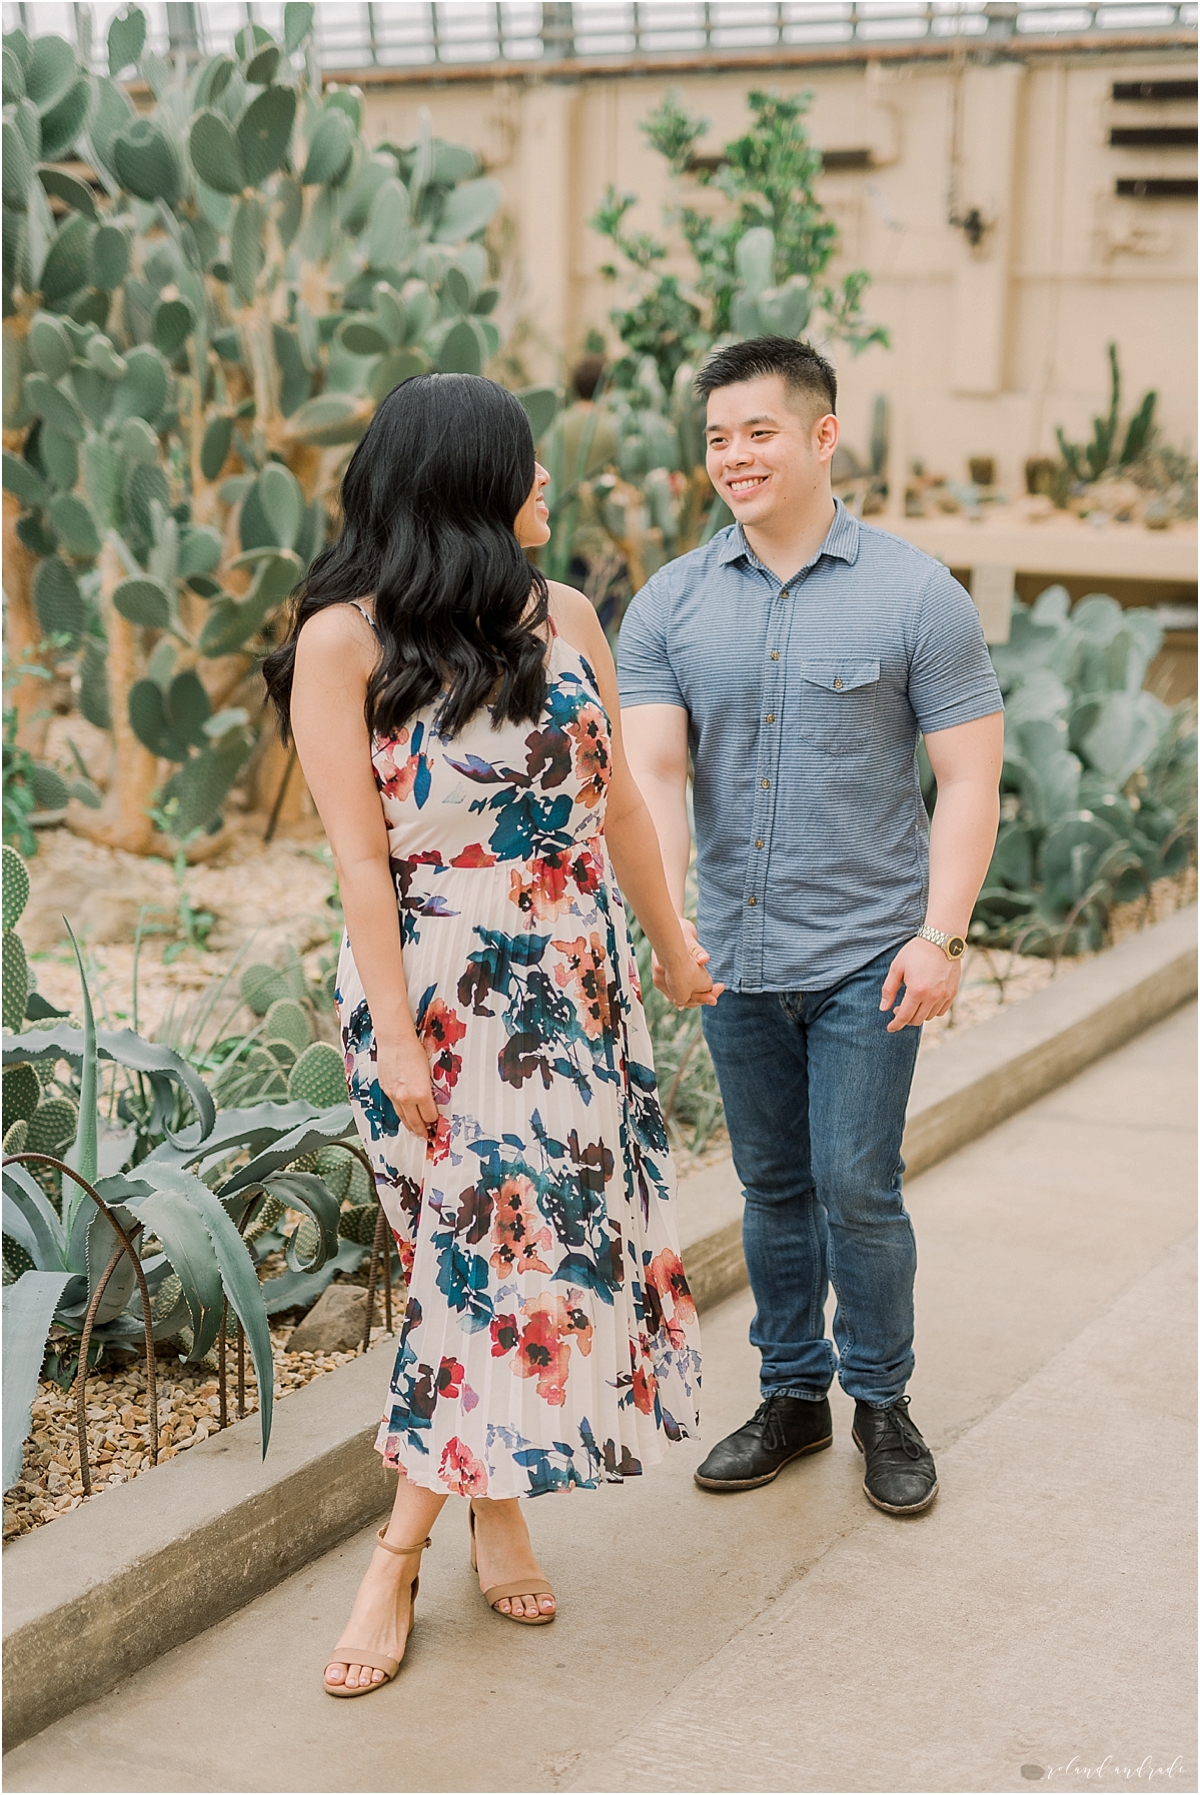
<point x="189" y="355"/>
<point x="359" y="1224"/>
<point x="287" y="1022"/>
<point x="319" y="1077"/>
<point x="15" y="968"/>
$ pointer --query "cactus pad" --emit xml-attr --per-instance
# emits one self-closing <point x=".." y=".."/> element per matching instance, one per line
<point x="362" y="1185"/>
<point x="52" y="1126"/>
<point x="16" y="980"/>
<point x="22" y="1092"/>
<point x="57" y="601"/>
<point x="16" y="1261"/>
<point x="287" y="1021"/>
<point x="319" y="1077"/>
<point x="262" y="986"/>
<point x="15" y="886"/>
<point x="359" y="1224"/>
<point x="14" y="1140"/>
<point x="145" y="160"/>
<point x="271" y="1213"/>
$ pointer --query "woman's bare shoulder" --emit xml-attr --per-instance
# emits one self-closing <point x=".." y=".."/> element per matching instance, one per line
<point x="574" y="614"/>
<point x="339" y="629"/>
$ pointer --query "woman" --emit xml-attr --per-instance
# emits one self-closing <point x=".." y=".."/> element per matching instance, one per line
<point x="457" y="721"/>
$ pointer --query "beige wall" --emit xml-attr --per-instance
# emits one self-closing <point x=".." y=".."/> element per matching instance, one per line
<point x="992" y="348"/>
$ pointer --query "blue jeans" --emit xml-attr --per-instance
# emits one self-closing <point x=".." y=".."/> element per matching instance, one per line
<point x="815" y="1091"/>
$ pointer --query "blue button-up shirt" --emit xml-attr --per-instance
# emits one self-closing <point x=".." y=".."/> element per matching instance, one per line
<point x="805" y="700"/>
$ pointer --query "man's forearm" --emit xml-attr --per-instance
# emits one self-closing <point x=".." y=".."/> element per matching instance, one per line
<point x="667" y="803"/>
<point x="962" y="836"/>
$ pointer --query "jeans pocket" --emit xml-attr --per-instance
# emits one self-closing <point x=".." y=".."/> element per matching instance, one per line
<point x="837" y="704"/>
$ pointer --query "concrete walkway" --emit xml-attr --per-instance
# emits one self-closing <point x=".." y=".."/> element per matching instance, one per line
<point x="1037" y="1623"/>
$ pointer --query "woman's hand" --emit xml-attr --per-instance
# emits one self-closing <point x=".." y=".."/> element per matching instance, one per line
<point x="686" y="981"/>
<point x="403" y="1071"/>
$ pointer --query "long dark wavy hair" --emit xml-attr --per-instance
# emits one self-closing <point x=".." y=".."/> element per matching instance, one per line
<point x="428" y="503"/>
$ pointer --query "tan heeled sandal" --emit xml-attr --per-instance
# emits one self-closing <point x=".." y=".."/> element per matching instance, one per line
<point x="352" y="1654"/>
<point x="500" y="1592"/>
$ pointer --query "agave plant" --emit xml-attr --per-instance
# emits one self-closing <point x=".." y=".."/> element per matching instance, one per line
<point x="193" y="340"/>
<point x="195" y="1205"/>
<point x="1098" y="777"/>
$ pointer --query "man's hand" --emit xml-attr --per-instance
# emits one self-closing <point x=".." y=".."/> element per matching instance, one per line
<point x="930" y="983"/>
<point x="699" y="954"/>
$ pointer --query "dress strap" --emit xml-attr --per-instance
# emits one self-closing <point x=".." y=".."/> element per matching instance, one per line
<point x="553" y="625"/>
<point x="367" y="616"/>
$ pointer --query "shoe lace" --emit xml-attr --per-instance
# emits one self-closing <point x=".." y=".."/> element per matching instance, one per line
<point x="908" y="1438"/>
<point x="768" y="1414"/>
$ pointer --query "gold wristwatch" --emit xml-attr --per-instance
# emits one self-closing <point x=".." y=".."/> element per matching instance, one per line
<point x="953" y="946"/>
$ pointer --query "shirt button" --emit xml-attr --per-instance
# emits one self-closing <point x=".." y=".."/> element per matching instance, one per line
<point x="783" y="594"/>
<point x="765" y="784"/>
<point x="837" y="685"/>
<point x="760" y="844"/>
<point x="770" y="716"/>
<point x="774" y="654"/>
<point x="753" y="901"/>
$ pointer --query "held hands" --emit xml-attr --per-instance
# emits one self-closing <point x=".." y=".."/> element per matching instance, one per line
<point x="684" y="980"/>
<point x="403" y="1071"/>
<point x="930" y="983"/>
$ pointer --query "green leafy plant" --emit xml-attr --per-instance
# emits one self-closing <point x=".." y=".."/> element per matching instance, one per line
<point x="1098" y="787"/>
<point x="1126" y="469"/>
<point x="206" y="1195"/>
<point x="757" y="268"/>
<point x="1107" y="448"/>
<point x="189" y="358"/>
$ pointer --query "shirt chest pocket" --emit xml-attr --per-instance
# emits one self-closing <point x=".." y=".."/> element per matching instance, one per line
<point x="837" y="704"/>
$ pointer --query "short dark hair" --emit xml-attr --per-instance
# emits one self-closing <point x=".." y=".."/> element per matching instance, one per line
<point x="587" y="376"/>
<point x="801" y="368"/>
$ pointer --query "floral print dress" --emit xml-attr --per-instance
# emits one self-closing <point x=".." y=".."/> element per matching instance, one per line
<point x="550" y="1339"/>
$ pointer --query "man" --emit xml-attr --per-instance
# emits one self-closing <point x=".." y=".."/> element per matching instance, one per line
<point x="798" y="655"/>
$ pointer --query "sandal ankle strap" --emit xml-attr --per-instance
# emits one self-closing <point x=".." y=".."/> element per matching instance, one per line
<point x="400" y="1551"/>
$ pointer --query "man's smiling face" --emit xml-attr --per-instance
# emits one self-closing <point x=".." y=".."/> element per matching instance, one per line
<point x="767" y="448"/>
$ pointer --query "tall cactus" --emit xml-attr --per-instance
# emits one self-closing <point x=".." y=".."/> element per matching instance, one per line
<point x="193" y="341"/>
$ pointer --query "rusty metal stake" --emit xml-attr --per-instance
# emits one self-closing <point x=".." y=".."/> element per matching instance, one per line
<point x="222" y="1380"/>
<point x="85" y="1469"/>
<point x="127" y="1246"/>
<point x="241" y="1358"/>
<point x="380" y="1226"/>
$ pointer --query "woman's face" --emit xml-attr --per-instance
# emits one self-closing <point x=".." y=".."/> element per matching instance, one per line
<point x="532" y="525"/>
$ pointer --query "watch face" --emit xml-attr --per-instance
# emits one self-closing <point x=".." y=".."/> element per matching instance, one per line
<point x="956" y="947"/>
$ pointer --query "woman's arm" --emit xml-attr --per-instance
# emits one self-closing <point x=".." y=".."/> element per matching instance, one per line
<point x="628" y="828"/>
<point x="335" y="656"/>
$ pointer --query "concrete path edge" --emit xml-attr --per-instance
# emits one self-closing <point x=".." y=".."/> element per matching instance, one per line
<point x="125" y="1578"/>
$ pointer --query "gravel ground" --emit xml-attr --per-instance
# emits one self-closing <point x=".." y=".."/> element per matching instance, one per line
<point x="118" y="1424"/>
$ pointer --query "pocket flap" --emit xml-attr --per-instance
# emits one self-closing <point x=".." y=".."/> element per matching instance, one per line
<point x="840" y="676"/>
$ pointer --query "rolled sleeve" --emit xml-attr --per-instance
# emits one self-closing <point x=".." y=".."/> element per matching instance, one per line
<point x="951" y="678"/>
<point x="644" y="671"/>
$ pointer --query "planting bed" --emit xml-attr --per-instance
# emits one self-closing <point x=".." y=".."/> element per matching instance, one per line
<point x="118" y="1424"/>
<point x="994" y="979"/>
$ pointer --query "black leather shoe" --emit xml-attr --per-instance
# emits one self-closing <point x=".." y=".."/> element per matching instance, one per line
<point x="900" y="1474"/>
<point x="781" y="1428"/>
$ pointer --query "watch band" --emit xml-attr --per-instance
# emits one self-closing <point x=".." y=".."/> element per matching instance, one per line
<point x="953" y="946"/>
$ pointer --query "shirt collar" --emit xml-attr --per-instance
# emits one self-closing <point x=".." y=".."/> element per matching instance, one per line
<point x="841" y="541"/>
